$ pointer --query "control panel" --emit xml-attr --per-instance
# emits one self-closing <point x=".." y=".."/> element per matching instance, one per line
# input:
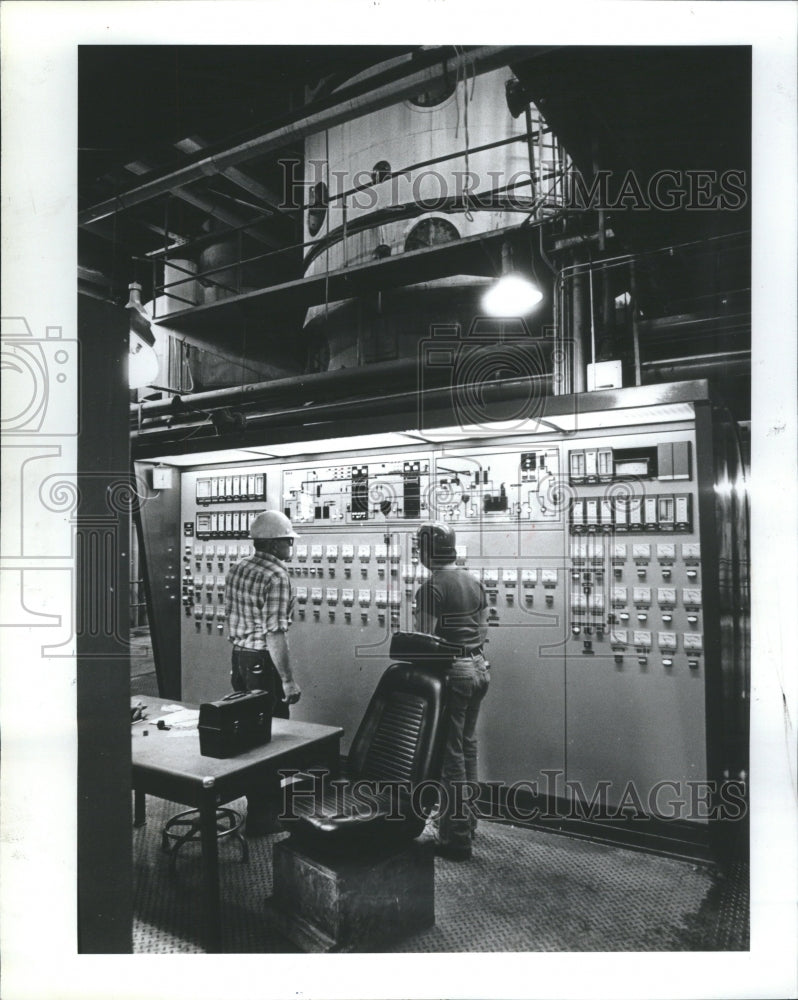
<point x="590" y="552"/>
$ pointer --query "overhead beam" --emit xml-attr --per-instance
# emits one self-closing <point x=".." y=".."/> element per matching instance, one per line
<point x="475" y="61"/>
<point x="264" y="194"/>
<point x="477" y="256"/>
<point x="212" y="209"/>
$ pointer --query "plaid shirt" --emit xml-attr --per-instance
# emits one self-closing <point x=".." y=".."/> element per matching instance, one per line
<point x="257" y="600"/>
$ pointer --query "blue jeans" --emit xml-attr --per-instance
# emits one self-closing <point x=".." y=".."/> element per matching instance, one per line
<point x="253" y="670"/>
<point x="467" y="683"/>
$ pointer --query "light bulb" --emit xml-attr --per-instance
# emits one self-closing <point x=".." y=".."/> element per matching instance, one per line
<point x="512" y="295"/>
<point x="143" y="364"/>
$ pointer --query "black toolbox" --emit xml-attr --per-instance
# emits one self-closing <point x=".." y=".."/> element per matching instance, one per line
<point x="240" y="721"/>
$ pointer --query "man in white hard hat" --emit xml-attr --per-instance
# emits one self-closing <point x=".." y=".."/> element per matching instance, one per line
<point x="259" y="604"/>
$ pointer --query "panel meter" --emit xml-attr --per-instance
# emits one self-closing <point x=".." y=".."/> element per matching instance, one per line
<point x="666" y="556"/>
<point x="683" y="512"/>
<point x="641" y="553"/>
<point x="332" y="553"/>
<point x="606" y="514"/>
<point x="529" y="577"/>
<point x="691" y="553"/>
<point x="347" y="553"/>
<point x="332" y="595"/>
<point x="579" y="551"/>
<point x="691" y="598"/>
<point x="667" y="641"/>
<point x="641" y="597"/>
<point x="548" y="577"/>
<point x="619" y="597"/>
<point x="693" y="642"/>
<point x="619" y="638"/>
<point x="666" y="513"/>
<point x="316" y="553"/>
<point x="642" y="640"/>
<point x="301" y="553"/>
<point x="666" y="597"/>
<point x="650" y="513"/>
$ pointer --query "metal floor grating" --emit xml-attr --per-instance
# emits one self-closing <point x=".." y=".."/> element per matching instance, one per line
<point x="524" y="890"/>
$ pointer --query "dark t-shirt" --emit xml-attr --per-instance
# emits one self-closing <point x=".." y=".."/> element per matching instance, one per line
<point x="457" y="600"/>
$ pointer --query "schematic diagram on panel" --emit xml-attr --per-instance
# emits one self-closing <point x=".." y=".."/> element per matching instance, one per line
<point x="498" y="487"/>
<point x="362" y="492"/>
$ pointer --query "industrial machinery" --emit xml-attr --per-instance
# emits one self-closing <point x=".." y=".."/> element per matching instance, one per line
<point x="610" y="537"/>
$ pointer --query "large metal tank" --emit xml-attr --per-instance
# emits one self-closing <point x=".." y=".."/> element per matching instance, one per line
<point x="401" y="212"/>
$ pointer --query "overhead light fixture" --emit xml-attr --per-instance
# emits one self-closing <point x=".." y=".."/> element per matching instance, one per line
<point x="516" y="96"/>
<point x="143" y="364"/>
<point x="513" y="294"/>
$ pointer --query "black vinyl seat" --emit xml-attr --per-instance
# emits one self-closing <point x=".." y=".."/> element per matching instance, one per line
<point x="398" y="745"/>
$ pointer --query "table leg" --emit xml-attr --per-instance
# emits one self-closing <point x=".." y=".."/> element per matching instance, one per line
<point x="139" y="808"/>
<point x="210" y="873"/>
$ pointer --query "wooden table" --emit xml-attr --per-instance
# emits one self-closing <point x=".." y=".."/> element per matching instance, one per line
<point x="171" y="767"/>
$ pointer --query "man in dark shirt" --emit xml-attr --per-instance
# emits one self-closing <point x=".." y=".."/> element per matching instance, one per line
<point x="452" y="604"/>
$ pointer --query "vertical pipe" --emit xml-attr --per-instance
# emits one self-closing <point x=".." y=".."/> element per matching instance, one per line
<point x="559" y="363"/>
<point x="531" y="150"/>
<point x="343" y="214"/>
<point x="578" y="324"/>
<point x="635" y="328"/>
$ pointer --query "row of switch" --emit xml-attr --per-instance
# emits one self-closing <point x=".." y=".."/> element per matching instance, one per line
<point x="655" y="513"/>
<point x="231" y="489"/>
<point x="641" y="641"/>
<point x="211" y="553"/>
<point x="226" y="524"/>
<point x="593" y="557"/>
<point x="641" y="598"/>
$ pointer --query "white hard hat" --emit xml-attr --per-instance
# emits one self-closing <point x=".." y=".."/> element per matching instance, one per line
<point x="271" y="524"/>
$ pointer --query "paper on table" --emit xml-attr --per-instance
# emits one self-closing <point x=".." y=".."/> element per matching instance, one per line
<point x="185" y="718"/>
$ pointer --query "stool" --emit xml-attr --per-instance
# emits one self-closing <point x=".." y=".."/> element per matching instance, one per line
<point x="329" y="903"/>
<point x="185" y="827"/>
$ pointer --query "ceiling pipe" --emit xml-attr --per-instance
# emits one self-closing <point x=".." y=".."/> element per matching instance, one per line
<point x="479" y="60"/>
<point x="371" y="406"/>
<point x="325" y="383"/>
<point x="727" y="365"/>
